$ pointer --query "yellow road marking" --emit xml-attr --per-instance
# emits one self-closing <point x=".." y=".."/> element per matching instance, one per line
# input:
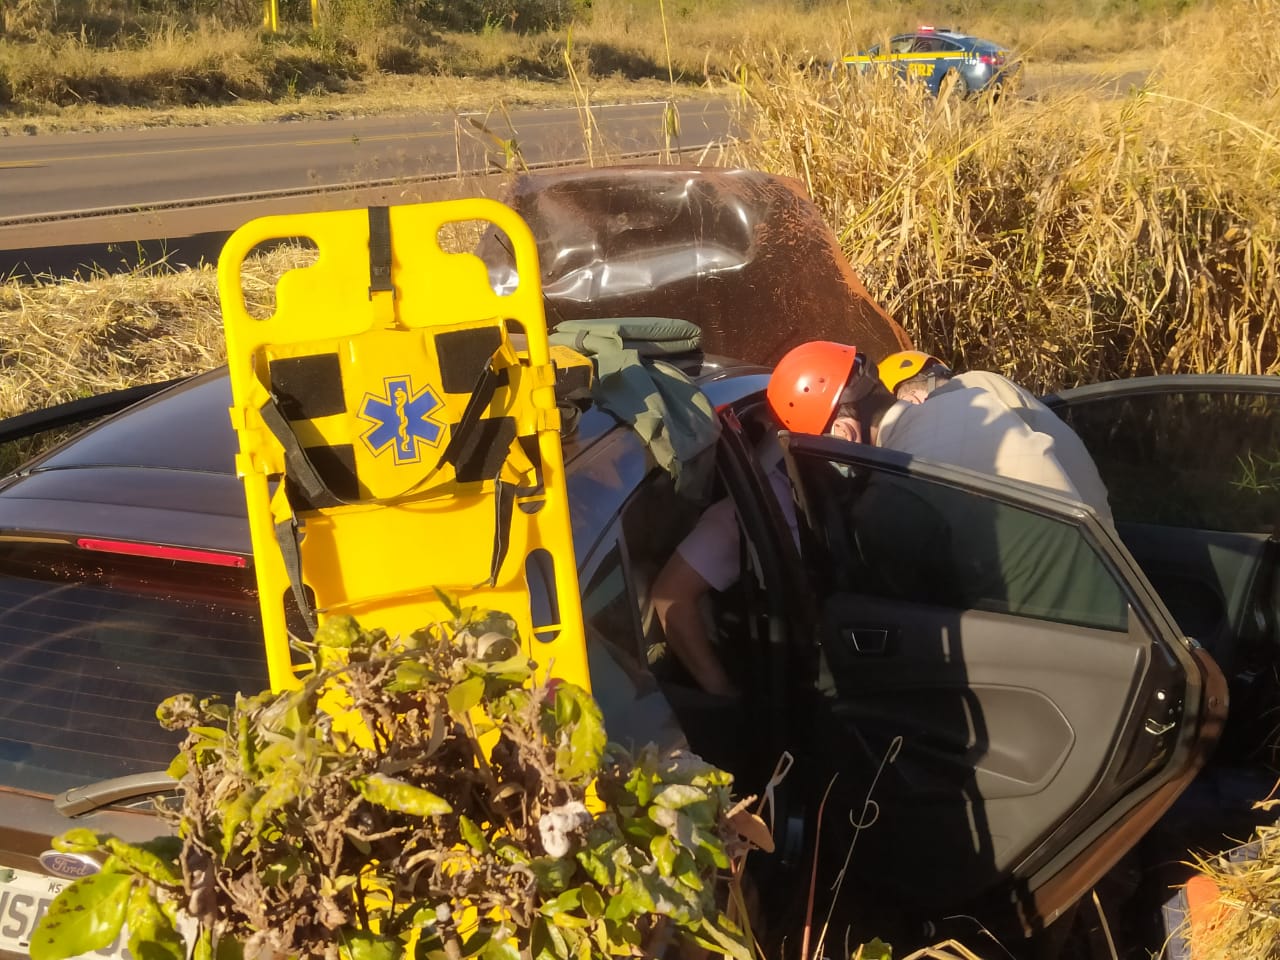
<point x="14" y="164"/>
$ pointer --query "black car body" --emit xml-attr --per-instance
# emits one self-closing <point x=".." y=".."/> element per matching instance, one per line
<point x="1012" y="756"/>
<point x="931" y="54"/>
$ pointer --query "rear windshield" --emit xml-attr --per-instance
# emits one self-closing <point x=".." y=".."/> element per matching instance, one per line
<point x="91" y="643"/>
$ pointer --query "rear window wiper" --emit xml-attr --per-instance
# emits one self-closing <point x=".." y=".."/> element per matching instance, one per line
<point x="94" y="796"/>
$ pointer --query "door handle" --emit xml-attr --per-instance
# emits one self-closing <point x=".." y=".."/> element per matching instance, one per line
<point x="870" y="641"/>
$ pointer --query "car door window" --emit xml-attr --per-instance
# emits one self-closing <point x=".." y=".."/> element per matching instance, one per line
<point x="1192" y="468"/>
<point x="908" y="539"/>
<point x="1208" y="460"/>
<point x="901" y="44"/>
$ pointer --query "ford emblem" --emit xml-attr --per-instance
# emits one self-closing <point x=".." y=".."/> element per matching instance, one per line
<point x="72" y="866"/>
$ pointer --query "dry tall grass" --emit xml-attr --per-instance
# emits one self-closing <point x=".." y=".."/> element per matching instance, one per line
<point x="62" y="340"/>
<point x="1072" y="239"/>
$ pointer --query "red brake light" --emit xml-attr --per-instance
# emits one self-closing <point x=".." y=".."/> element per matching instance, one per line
<point x="132" y="549"/>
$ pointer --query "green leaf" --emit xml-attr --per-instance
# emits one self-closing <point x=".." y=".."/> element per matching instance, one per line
<point x="151" y="934"/>
<point x="569" y="900"/>
<point x="281" y="870"/>
<point x="477" y="941"/>
<point x="552" y="873"/>
<point x="674" y="796"/>
<point x="285" y="786"/>
<point x="686" y="871"/>
<point x="473" y="835"/>
<point x="575" y="710"/>
<point x="514" y="669"/>
<point x="450" y="602"/>
<point x="233" y="815"/>
<point x="548" y="941"/>
<point x="601" y="933"/>
<point x="367" y="946"/>
<point x="146" y="860"/>
<point x="402" y="797"/>
<point x="216" y="734"/>
<point x="228" y="948"/>
<point x="465" y="695"/>
<point x="178" y="767"/>
<point x="710" y="844"/>
<point x="664" y="853"/>
<point x="727" y="943"/>
<point x="500" y="948"/>
<point x="592" y="902"/>
<point x="339" y="632"/>
<point x="85" y="917"/>
<point x="78" y="840"/>
<point x="875" y="949"/>
<point x="626" y="934"/>
<point x="203" y="949"/>
<point x="410" y="675"/>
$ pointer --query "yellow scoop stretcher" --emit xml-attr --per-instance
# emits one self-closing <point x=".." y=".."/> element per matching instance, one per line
<point x="399" y="434"/>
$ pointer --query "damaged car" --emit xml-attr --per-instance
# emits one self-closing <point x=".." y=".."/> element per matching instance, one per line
<point x="944" y="758"/>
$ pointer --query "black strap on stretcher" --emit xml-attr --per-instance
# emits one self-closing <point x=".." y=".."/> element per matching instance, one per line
<point x="304" y="475"/>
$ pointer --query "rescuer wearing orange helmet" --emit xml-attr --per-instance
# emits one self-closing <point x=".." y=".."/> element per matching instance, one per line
<point x="976" y="420"/>
<point x="823" y="387"/>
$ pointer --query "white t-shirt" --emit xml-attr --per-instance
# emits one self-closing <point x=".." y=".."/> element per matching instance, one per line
<point x="987" y="423"/>
<point x="711" y="548"/>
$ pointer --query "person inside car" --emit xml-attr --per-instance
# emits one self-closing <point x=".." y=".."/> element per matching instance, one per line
<point x="707" y="559"/>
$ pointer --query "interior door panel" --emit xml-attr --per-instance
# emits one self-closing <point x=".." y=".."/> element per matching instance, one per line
<point x="990" y="675"/>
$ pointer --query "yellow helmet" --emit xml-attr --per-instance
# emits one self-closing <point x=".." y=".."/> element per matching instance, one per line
<point x="904" y="365"/>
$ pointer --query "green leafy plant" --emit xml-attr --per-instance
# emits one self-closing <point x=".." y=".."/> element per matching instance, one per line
<point x="429" y="796"/>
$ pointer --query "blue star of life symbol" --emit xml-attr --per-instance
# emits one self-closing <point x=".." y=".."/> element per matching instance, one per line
<point x="401" y="419"/>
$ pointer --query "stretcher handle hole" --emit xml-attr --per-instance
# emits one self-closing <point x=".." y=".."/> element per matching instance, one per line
<point x="265" y="264"/>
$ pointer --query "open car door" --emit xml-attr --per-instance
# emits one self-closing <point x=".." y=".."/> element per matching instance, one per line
<point x="997" y="674"/>
<point x="1192" y="466"/>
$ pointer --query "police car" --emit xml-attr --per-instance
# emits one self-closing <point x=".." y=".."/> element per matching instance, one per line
<point x="932" y="53"/>
<point x="1020" y="753"/>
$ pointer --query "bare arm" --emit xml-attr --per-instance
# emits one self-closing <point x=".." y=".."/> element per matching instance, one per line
<point x="675" y="599"/>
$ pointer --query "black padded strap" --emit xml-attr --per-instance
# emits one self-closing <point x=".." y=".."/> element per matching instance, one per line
<point x="380" y="251"/>
<point x="481" y="396"/>
<point x="297" y="465"/>
<point x="287" y="541"/>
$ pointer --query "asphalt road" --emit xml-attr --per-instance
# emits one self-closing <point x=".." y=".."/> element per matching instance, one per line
<point x="74" y="174"/>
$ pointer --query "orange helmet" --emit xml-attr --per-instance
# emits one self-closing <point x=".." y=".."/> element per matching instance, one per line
<point x="806" y="386"/>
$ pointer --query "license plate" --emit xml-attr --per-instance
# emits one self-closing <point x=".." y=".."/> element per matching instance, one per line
<point x="24" y="898"/>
